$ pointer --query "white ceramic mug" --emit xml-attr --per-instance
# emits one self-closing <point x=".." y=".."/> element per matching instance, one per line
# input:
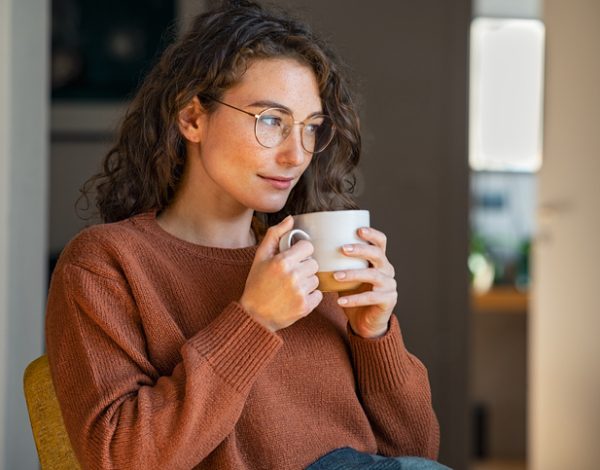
<point x="328" y="232"/>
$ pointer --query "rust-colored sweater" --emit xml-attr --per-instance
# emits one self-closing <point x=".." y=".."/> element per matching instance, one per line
<point x="156" y="365"/>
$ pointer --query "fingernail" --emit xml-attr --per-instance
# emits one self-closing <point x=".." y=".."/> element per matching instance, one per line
<point x="342" y="301"/>
<point x="348" y="248"/>
<point x="364" y="230"/>
<point x="340" y="275"/>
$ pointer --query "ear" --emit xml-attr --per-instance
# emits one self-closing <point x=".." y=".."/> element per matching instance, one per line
<point x="191" y="120"/>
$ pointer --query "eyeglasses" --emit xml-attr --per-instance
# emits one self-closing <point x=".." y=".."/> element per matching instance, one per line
<point x="274" y="125"/>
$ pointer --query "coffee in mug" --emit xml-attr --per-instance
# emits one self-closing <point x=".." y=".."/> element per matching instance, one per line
<point x="328" y="231"/>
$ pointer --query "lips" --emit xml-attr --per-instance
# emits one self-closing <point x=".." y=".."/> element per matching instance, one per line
<point x="278" y="182"/>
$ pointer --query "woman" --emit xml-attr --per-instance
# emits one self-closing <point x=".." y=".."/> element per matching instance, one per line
<point x="178" y="336"/>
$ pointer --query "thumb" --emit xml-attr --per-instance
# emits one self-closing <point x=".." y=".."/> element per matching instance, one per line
<point x="269" y="246"/>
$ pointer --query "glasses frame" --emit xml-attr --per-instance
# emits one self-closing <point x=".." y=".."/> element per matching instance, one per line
<point x="300" y="123"/>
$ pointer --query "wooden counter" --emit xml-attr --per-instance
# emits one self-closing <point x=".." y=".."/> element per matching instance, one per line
<point x="500" y="299"/>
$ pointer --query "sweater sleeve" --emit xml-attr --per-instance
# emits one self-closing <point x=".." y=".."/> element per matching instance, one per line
<point x="395" y="392"/>
<point x="118" y="411"/>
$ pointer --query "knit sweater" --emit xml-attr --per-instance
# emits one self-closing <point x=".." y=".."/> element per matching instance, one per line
<point x="157" y="365"/>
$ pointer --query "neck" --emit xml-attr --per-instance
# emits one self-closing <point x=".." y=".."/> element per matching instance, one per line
<point x="191" y="217"/>
<point x="206" y="231"/>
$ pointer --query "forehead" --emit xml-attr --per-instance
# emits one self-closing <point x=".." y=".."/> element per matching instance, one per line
<point x="283" y="80"/>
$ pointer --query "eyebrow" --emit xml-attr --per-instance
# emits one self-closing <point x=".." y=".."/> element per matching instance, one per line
<point x="274" y="104"/>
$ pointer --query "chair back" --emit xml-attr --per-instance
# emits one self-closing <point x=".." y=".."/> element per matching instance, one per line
<point x="49" y="433"/>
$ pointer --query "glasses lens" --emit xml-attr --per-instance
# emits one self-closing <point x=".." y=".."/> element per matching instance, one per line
<point x="317" y="134"/>
<point x="273" y="126"/>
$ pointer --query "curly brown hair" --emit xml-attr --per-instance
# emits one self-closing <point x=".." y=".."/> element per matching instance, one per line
<point x="141" y="172"/>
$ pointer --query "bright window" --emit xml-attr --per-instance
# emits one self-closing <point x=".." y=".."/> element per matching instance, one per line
<point x="506" y="94"/>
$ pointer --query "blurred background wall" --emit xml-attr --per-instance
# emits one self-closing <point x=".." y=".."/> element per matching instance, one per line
<point x="564" y="403"/>
<point x="24" y="101"/>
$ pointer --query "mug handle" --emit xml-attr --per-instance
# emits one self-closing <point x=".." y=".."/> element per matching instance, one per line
<point x="291" y="237"/>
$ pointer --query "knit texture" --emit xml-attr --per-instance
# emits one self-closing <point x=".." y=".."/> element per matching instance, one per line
<point x="157" y="365"/>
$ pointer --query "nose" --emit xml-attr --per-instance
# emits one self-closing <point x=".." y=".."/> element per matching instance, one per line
<point x="291" y="152"/>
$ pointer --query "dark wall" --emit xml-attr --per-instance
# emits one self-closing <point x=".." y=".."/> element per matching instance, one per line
<point x="409" y="59"/>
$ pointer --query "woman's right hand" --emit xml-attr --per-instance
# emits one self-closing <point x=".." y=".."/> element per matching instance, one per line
<point x="281" y="287"/>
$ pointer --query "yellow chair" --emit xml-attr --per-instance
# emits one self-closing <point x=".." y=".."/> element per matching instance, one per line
<point x="51" y="439"/>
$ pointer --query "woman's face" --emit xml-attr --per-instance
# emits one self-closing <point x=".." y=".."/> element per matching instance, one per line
<point x="236" y="170"/>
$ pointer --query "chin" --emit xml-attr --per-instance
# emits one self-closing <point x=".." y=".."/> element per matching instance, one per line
<point x="266" y="203"/>
<point x="269" y="208"/>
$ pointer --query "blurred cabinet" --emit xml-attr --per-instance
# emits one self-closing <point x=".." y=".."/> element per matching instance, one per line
<point x="499" y="377"/>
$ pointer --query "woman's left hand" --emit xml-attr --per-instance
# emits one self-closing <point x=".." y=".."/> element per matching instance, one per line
<point x="369" y="307"/>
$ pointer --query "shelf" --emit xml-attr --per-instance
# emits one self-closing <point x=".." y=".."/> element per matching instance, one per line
<point x="496" y="464"/>
<point x="500" y="299"/>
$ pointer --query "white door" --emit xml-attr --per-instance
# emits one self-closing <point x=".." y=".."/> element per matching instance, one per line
<point x="564" y="396"/>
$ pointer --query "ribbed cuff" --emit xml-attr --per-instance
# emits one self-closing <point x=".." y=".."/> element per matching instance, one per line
<point x="381" y="363"/>
<point x="236" y="346"/>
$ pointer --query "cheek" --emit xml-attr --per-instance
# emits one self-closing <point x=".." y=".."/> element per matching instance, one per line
<point x="223" y="148"/>
<point x="228" y="130"/>
<point x="230" y="162"/>
<point x="237" y="151"/>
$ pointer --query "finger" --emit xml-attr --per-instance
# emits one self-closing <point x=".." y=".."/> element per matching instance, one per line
<point x="372" y="276"/>
<point x="305" y="277"/>
<point x="269" y="246"/>
<point x="311" y="284"/>
<point x="304" y="282"/>
<point x="298" y="252"/>
<point x="374" y="236"/>
<point x="313" y="300"/>
<point x="374" y="254"/>
<point x="385" y="300"/>
<point x="308" y="267"/>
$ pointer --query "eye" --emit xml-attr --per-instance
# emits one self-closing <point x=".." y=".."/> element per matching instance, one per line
<point x="314" y="127"/>
<point x="270" y="120"/>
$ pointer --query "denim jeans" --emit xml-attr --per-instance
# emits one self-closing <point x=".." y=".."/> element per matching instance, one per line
<point x="350" y="459"/>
